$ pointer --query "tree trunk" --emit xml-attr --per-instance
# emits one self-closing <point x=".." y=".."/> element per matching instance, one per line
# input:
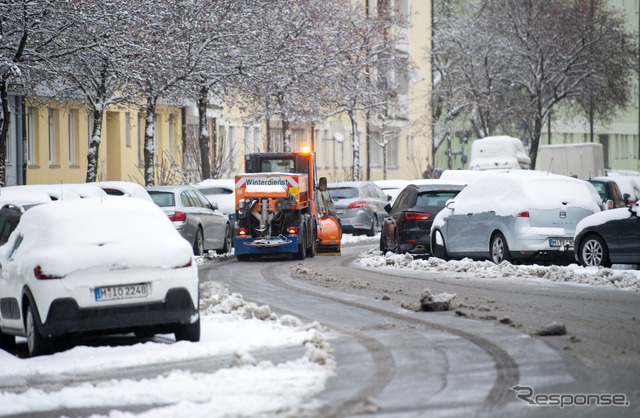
<point x="5" y="120"/>
<point x="286" y="134"/>
<point x="94" y="146"/>
<point x="149" y="148"/>
<point x="356" y="146"/>
<point x="203" y="134"/>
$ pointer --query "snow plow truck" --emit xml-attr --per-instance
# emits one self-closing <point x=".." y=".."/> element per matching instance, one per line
<point x="281" y="208"/>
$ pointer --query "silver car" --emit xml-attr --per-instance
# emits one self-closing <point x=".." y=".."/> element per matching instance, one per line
<point x="359" y="206"/>
<point x="198" y="221"/>
<point x="524" y="215"/>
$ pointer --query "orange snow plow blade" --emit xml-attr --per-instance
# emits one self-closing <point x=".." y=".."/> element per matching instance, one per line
<point x="329" y="236"/>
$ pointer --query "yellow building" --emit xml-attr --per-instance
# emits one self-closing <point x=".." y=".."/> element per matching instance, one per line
<point x="57" y="141"/>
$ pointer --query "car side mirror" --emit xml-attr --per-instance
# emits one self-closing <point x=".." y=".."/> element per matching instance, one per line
<point x="214" y="206"/>
<point x="389" y="198"/>
<point x="387" y="207"/>
<point x="626" y="197"/>
<point x="451" y="204"/>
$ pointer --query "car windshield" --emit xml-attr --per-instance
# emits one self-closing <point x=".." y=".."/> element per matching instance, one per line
<point x="163" y="199"/>
<point x="343" y="193"/>
<point x="435" y="198"/>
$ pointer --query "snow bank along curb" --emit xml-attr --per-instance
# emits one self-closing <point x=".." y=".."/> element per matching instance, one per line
<point x="620" y="279"/>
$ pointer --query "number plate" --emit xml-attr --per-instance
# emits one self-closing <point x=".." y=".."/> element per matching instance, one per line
<point x="339" y="211"/>
<point x="561" y="243"/>
<point x="140" y="290"/>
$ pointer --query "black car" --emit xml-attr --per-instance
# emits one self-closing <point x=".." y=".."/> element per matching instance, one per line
<point x="408" y="225"/>
<point x="609" y="237"/>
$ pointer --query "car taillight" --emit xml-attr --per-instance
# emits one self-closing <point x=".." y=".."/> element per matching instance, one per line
<point x="417" y="216"/>
<point x="358" y="204"/>
<point x="524" y="214"/>
<point x="292" y="230"/>
<point x="186" y="265"/>
<point x="242" y="232"/>
<point x="37" y="271"/>
<point x="178" y="217"/>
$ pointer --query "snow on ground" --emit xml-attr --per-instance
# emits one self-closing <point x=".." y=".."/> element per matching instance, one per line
<point x="617" y="277"/>
<point x="230" y="326"/>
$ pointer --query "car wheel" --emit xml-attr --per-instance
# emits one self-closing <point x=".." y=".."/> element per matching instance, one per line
<point x="374" y="226"/>
<point x="499" y="249"/>
<point x="198" y="243"/>
<point x="438" y="247"/>
<point x="302" y="247"/>
<point x="383" y="239"/>
<point x="396" y="243"/>
<point x="188" y="332"/>
<point x="37" y="344"/>
<point x="227" y="241"/>
<point x="594" y="252"/>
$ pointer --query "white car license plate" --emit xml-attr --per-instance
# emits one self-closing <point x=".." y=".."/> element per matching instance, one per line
<point x="339" y="211"/>
<point x="561" y="243"/>
<point x="140" y="290"/>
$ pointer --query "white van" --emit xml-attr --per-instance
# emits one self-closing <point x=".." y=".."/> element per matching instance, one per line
<point x="498" y="153"/>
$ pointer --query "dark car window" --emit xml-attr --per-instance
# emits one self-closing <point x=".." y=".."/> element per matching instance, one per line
<point x="435" y="198"/>
<point x="162" y="199"/>
<point x="402" y="200"/>
<point x="337" y="193"/>
<point x="9" y="217"/>
<point x="216" y="190"/>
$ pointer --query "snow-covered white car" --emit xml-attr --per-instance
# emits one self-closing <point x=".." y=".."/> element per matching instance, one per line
<point x="522" y="215"/>
<point x="63" y="191"/>
<point x="96" y="265"/>
<point x="124" y="188"/>
<point x="221" y="192"/>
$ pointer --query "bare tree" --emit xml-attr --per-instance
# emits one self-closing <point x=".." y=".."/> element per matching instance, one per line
<point x="525" y="58"/>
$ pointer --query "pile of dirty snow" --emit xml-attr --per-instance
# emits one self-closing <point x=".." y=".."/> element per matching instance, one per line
<point x="594" y="276"/>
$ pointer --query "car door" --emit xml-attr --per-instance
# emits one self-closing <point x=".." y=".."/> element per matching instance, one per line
<point x="627" y="233"/>
<point x="391" y="222"/>
<point x="11" y="284"/>
<point x="213" y="224"/>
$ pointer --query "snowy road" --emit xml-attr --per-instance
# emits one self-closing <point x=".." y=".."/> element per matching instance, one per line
<point x="394" y="361"/>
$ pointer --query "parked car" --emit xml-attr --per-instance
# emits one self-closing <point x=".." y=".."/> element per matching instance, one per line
<point x="64" y="274"/>
<point x="198" y="221"/>
<point x="392" y="188"/>
<point x="609" y="192"/>
<point x="524" y="215"/>
<point x="124" y="188"/>
<point x="63" y="191"/>
<point x="609" y="237"/>
<point x="408" y="225"/>
<point x="220" y="192"/>
<point x="359" y="206"/>
<point x="629" y="187"/>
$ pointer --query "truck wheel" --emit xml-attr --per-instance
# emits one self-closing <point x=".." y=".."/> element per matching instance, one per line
<point x="302" y="246"/>
<point x="312" y="245"/>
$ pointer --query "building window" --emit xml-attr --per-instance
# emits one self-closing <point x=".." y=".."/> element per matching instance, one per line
<point x="31" y="147"/>
<point x="127" y="130"/>
<point x="327" y="149"/>
<point x="392" y="150"/>
<point x="257" y="139"/>
<point x="248" y="140"/>
<point x="72" y="137"/>
<point x="375" y="150"/>
<point x="52" y="137"/>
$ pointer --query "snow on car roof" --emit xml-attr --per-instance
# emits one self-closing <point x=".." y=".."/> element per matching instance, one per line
<point x="524" y="190"/>
<point x="79" y="234"/>
<point x="392" y="184"/>
<point x="128" y="188"/>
